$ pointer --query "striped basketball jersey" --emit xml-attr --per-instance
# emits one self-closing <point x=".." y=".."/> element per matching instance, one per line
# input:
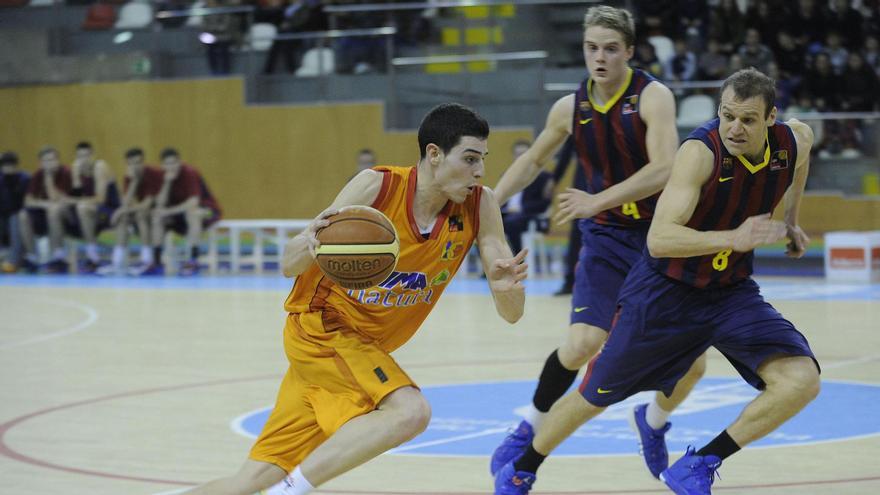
<point x="391" y="312"/>
<point x="610" y="144"/>
<point x="735" y="191"/>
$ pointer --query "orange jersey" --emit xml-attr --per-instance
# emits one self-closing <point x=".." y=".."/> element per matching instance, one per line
<point x="391" y="312"/>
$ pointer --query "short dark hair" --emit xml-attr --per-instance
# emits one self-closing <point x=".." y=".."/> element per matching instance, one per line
<point x="83" y="145"/>
<point x="169" y="151"/>
<point x="750" y="82"/>
<point x="9" y="158"/>
<point x="445" y="125"/>
<point x="133" y="152"/>
<point x="45" y="150"/>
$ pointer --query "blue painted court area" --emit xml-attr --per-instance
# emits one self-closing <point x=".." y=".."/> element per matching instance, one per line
<point x="773" y="289"/>
<point x="472" y="419"/>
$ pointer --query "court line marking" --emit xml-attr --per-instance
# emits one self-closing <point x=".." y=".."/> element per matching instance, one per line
<point x="91" y="318"/>
<point x="7" y="451"/>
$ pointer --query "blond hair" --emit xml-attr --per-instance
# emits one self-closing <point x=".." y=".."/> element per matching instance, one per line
<point x="619" y="20"/>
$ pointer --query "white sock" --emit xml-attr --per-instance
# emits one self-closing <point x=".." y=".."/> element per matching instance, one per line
<point x="294" y="484"/>
<point x="92" y="252"/>
<point x="655" y="415"/>
<point x="534" y="417"/>
<point x="147" y="255"/>
<point x="119" y="255"/>
<point x="59" y="254"/>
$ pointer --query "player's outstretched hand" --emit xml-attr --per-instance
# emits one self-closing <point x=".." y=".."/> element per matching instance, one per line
<point x="574" y="203"/>
<point x="311" y="232"/>
<point x="508" y="273"/>
<point x="798" y="241"/>
<point x="756" y="231"/>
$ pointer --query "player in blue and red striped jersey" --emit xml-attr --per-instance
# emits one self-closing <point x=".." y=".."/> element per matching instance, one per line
<point x="693" y="289"/>
<point x="622" y="121"/>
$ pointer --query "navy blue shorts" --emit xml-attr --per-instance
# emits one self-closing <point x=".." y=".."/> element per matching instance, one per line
<point x="607" y="255"/>
<point x="178" y="224"/>
<point x="663" y="326"/>
<point x="40" y="221"/>
<point x="103" y="214"/>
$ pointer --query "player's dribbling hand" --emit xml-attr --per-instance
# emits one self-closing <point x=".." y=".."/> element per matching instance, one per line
<point x="798" y="241"/>
<point x="756" y="231"/>
<point x="574" y="203"/>
<point x="311" y="232"/>
<point x="508" y="273"/>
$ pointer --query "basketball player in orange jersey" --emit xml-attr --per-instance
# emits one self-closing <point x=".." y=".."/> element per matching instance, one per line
<point x="622" y="122"/>
<point x="344" y="399"/>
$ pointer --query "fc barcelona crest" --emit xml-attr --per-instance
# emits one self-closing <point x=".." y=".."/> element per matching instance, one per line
<point x="779" y="160"/>
<point x="585" y="106"/>
<point x="630" y="104"/>
<point x="727" y="163"/>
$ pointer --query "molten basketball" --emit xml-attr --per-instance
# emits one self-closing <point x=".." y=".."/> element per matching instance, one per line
<point x="359" y="248"/>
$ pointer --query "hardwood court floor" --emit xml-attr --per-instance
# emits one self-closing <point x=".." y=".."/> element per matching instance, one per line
<point x="130" y="388"/>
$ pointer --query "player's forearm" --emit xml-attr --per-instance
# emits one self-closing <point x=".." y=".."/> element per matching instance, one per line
<point x="649" y="180"/>
<point x="671" y="240"/>
<point x="510" y="304"/>
<point x="517" y="177"/>
<point x="296" y="257"/>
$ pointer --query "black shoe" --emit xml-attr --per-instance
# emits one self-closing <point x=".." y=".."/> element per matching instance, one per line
<point x="29" y="266"/>
<point x="57" y="266"/>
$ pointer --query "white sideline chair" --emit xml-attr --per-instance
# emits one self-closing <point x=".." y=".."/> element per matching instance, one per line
<point x="272" y="230"/>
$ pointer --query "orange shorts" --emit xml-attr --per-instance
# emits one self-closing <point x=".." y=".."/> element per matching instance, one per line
<point x="333" y="377"/>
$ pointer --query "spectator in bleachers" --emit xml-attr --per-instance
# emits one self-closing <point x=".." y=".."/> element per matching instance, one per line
<point x="142" y="184"/>
<point x="762" y="17"/>
<point x="734" y="63"/>
<point x="837" y="53"/>
<point x="185" y="205"/>
<point x="754" y="53"/>
<point x="840" y="16"/>
<point x="361" y="54"/>
<point x="860" y="86"/>
<point x="13" y="187"/>
<point x="821" y="85"/>
<point x="712" y="63"/>
<point x="657" y="18"/>
<point x="645" y="58"/>
<point x="366" y="158"/>
<point x="804" y="22"/>
<point x="727" y="25"/>
<point x="171" y="22"/>
<point x="298" y="16"/>
<point x="693" y="19"/>
<point x="872" y="53"/>
<point x="527" y="206"/>
<point x="95" y="197"/>
<point x="785" y="87"/>
<point x="46" y="209"/>
<point x="222" y="31"/>
<point x="789" y="56"/>
<point x="683" y="64"/>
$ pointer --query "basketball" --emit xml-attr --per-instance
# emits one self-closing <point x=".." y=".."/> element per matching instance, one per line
<point x="359" y="248"/>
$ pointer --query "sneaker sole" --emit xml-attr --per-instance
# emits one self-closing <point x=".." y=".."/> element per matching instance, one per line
<point x="675" y="487"/>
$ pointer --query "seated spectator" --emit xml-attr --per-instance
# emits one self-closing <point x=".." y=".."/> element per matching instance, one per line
<point x="754" y="53"/>
<point x="789" y="56"/>
<point x="804" y="22"/>
<point x="13" y="187"/>
<point x="365" y="159"/>
<point x="142" y="184"/>
<point x="683" y="64"/>
<point x="46" y="210"/>
<point x="529" y="205"/>
<point x="840" y="16"/>
<point x="860" y="86"/>
<point x="785" y="87"/>
<point x="821" y="86"/>
<point x="727" y="25"/>
<point x="693" y="17"/>
<point x="185" y="205"/>
<point x="645" y="58"/>
<point x="95" y="198"/>
<point x="837" y="54"/>
<point x="713" y="63"/>
<point x="872" y="53"/>
<point x="299" y="16"/>
<point x="222" y="31"/>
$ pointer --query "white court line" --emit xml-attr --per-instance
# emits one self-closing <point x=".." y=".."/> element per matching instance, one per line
<point x="91" y="317"/>
<point x="483" y="433"/>
<point x="172" y="492"/>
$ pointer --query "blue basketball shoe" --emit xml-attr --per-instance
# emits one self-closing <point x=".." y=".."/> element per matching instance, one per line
<point x="512" y="447"/>
<point x="509" y="481"/>
<point x="692" y="474"/>
<point x="652" y="442"/>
